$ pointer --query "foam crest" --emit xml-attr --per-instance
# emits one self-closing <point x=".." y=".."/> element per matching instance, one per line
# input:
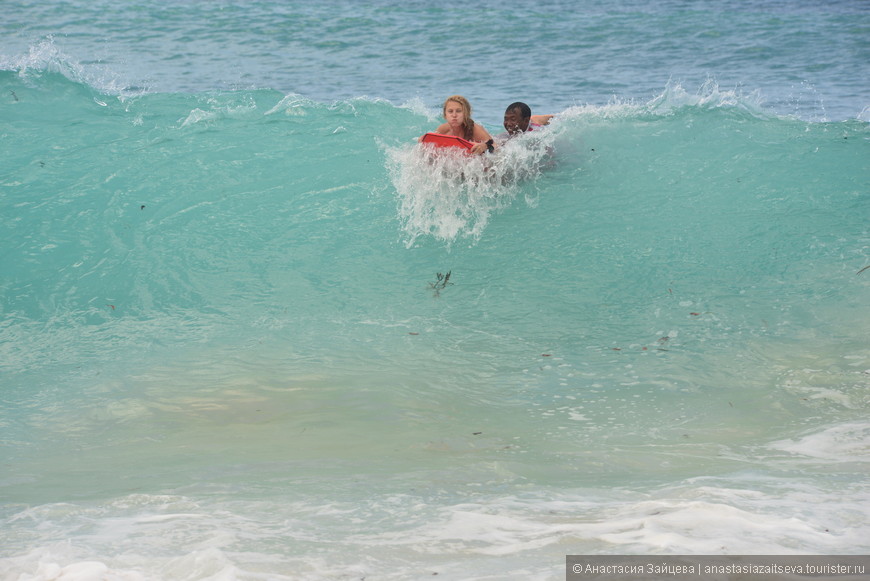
<point x="708" y="96"/>
<point x="219" y="111"/>
<point x="45" y="57"/>
<point x="419" y="108"/>
<point x="292" y="105"/>
<point x="674" y="97"/>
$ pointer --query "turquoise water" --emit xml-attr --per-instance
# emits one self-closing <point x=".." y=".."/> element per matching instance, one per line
<point x="230" y="350"/>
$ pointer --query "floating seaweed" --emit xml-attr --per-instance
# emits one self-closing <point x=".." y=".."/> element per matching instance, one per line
<point x="442" y="281"/>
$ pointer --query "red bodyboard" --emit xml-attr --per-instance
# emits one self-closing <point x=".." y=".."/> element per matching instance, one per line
<point x="442" y="140"/>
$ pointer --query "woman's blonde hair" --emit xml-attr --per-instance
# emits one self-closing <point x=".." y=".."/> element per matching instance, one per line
<point x="466" y="107"/>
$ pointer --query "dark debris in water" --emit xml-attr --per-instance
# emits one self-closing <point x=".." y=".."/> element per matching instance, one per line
<point x="442" y="281"/>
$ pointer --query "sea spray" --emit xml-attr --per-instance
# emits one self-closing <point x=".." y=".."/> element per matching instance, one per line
<point x="450" y="194"/>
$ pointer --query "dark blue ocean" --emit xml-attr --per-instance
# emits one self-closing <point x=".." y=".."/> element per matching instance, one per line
<point x="250" y="329"/>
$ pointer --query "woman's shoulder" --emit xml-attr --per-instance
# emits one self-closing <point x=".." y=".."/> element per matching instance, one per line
<point x="480" y="133"/>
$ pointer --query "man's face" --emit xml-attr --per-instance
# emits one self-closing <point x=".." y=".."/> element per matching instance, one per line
<point x="514" y="123"/>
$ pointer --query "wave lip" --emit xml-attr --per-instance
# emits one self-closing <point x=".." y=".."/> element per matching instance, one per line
<point x="45" y="57"/>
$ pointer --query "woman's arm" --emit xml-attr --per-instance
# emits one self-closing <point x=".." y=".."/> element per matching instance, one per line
<point x="483" y="140"/>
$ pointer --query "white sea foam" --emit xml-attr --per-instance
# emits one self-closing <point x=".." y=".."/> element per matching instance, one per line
<point x="690" y="520"/>
<point x="449" y="195"/>
<point x="481" y="534"/>
<point x="841" y="443"/>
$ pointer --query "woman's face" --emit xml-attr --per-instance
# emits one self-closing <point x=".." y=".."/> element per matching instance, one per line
<point x="454" y="113"/>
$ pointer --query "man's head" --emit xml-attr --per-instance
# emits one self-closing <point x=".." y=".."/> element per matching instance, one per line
<point x="517" y="117"/>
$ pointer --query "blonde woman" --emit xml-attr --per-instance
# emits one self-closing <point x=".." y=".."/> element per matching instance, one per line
<point x="457" y="113"/>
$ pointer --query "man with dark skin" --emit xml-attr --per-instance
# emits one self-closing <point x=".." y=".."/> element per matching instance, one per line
<point x="518" y="119"/>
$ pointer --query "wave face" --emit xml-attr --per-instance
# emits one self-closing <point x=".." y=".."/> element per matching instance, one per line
<point x="249" y="333"/>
